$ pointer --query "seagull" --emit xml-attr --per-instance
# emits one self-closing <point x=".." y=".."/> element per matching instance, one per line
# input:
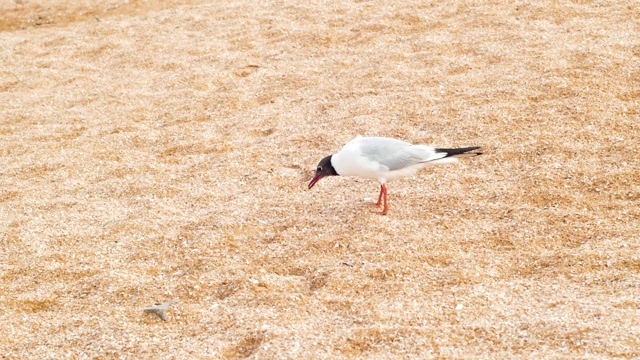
<point x="386" y="159"/>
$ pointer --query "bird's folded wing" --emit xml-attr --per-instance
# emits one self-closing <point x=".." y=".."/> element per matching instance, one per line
<point x="382" y="150"/>
<point x="405" y="156"/>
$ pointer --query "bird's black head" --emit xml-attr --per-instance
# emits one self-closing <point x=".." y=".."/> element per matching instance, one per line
<point x="324" y="169"/>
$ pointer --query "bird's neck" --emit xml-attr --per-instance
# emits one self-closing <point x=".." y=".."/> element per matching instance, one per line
<point x="332" y="170"/>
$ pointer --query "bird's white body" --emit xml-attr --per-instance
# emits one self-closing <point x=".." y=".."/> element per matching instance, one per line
<point x="385" y="159"/>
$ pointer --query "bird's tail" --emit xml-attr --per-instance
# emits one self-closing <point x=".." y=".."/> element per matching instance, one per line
<point x="458" y="153"/>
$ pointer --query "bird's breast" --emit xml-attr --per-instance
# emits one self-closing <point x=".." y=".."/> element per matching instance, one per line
<point x="351" y="162"/>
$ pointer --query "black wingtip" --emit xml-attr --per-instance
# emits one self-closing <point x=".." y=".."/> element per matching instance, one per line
<point x="461" y="152"/>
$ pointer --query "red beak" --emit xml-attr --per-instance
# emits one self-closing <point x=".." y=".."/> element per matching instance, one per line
<point x="315" y="180"/>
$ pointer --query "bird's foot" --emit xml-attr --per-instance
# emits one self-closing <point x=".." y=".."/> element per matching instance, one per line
<point x="383" y="212"/>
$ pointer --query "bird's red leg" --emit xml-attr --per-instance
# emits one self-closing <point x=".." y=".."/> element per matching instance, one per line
<point x="380" y="197"/>
<point x="382" y="187"/>
<point x="385" y="207"/>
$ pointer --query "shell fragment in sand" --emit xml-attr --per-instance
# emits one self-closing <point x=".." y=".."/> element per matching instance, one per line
<point x="160" y="309"/>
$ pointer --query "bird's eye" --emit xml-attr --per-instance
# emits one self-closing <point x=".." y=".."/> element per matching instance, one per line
<point x="319" y="168"/>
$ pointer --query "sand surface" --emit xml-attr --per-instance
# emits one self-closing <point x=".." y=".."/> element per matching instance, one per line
<point x="160" y="150"/>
